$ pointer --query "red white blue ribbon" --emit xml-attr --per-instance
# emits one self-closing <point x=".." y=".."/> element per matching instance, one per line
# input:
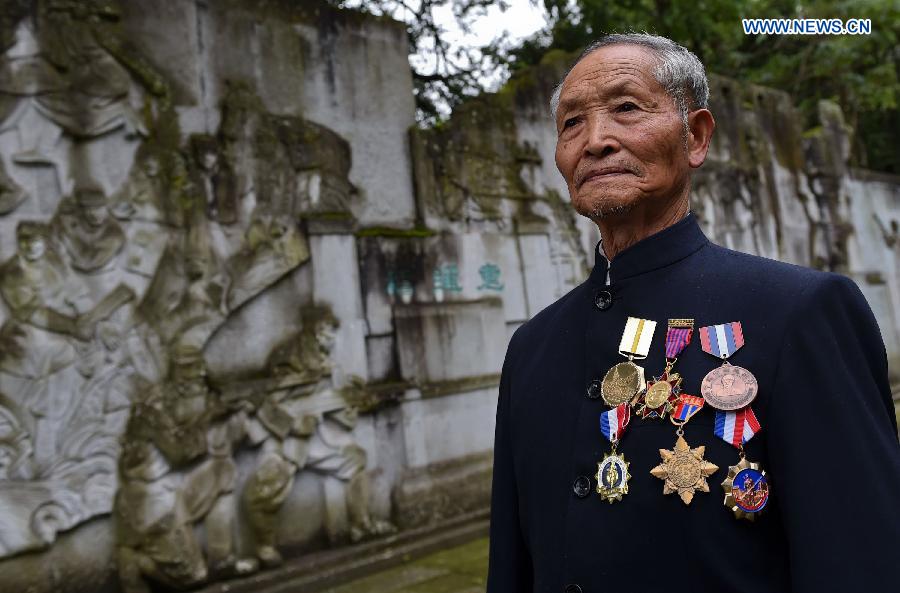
<point x="613" y="422"/>
<point x="738" y="427"/>
<point x="687" y="406"/>
<point x="722" y="340"/>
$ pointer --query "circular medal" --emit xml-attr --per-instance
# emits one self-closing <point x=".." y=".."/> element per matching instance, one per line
<point x="657" y="394"/>
<point x="612" y="477"/>
<point x="746" y="490"/>
<point x="621" y="383"/>
<point x="729" y="387"/>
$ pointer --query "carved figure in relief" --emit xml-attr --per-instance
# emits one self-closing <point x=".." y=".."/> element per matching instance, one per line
<point x="214" y="180"/>
<point x="307" y="426"/>
<point x="37" y="286"/>
<point x="78" y="76"/>
<point x="189" y="288"/>
<point x="145" y="195"/>
<point x="179" y="471"/>
<point x="274" y="246"/>
<point x="91" y="236"/>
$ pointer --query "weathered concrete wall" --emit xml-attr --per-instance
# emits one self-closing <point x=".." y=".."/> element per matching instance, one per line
<point x="245" y="311"/>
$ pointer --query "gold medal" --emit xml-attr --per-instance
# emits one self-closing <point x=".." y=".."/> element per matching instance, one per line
<point x="663" y="391"/>
<point x="624" y="381"/>
<point x="684" y="470"/>
<point x="621" y="383"/>
<point x="658" y="393"/>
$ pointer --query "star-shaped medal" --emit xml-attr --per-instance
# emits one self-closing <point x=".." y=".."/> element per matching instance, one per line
<point x="684" y="470"/>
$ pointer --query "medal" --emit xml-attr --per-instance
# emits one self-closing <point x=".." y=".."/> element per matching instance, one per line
<point x="747" y="486"/>
<point x="728" y="387"/>
<point x="662" y="393"/>
<point x="625" y="380"/>
<point x="612" y="472"/>
<point x="684" y="469"/>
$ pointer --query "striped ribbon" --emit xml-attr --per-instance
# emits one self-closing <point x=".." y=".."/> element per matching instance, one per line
<point x="722" y="340"/>
<point x="677" y="339"/>
<point x="687" y="406"/>
<point x="613" y="422"/>
<point x="738" y="427"/>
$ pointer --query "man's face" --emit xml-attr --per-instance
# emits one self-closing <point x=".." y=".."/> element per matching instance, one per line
<point x="621" y="139"/>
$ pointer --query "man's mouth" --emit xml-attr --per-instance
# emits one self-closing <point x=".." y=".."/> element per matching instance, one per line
<point x="603" y="173"/>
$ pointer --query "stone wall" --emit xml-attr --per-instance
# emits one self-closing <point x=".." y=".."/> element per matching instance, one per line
<point x="249" y="312"/>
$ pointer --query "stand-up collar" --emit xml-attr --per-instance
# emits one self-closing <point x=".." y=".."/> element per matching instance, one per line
<point x="659" y="250"/>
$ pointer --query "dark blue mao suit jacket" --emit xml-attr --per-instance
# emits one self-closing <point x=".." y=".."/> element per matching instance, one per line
<point x="828" y="439"/>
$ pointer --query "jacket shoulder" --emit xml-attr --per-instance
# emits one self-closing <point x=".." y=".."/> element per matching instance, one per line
<point x="772" y="277"/>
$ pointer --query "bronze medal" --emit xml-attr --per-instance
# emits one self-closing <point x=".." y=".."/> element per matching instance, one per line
<point x="684" y="470"/>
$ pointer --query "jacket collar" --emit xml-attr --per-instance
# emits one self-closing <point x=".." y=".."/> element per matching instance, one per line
<point x="659" y="250"/>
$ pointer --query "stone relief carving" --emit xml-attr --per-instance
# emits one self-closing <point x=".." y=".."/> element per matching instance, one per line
<point x="307" y="426"/>
<point x="121" y="273"/>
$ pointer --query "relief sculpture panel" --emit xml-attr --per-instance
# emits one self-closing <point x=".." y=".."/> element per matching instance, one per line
<point x="125" y="246"/>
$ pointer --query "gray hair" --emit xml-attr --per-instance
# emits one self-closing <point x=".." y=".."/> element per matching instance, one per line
<point x="678" y="70"/>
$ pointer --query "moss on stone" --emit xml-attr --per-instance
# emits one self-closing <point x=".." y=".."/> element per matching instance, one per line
<point x="394" y="233"/>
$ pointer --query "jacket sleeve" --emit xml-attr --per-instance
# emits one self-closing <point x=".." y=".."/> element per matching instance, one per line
<point x="833" y="449"/>
<point x="509" y="568"/>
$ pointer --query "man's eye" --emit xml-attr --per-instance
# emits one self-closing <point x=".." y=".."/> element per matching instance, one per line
<point x="626" y="106"/>
<point x="570" y="122"/>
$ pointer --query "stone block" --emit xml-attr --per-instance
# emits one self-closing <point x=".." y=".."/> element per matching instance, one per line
<point x="447" y="341"/>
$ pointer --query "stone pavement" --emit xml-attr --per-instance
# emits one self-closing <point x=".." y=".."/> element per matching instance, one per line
<point x="460" y="569"/>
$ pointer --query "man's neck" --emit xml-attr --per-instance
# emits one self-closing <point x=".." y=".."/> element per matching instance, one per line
<point x="621" y="231"/>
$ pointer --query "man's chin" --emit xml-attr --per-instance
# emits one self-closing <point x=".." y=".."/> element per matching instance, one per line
<point x="597" y="209"/>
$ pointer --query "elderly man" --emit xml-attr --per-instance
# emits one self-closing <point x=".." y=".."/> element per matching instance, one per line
<point x="612" y="474"/>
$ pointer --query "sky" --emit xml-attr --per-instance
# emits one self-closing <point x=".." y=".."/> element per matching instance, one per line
<point x="520" y="20"/>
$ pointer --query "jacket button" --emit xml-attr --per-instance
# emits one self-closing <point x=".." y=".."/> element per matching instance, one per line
<point x="603" y="300"/>
<point x="573" y="588"/>
<point x="582" y="486"/>
<point x="593" y="390"/>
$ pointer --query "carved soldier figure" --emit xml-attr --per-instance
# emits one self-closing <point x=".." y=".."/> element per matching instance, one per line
<point x="308" y="427"/>
<point x="91" y="236"/>
<point x="215" y="180"/>
<point x="176" y="426"/>
<point x="141" y="196"/>
<point x="37" y="286"/>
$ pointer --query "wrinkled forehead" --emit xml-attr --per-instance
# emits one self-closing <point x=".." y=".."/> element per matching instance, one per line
<point x="611" y="71"/>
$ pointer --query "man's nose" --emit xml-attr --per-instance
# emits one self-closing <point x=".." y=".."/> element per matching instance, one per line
<point x="602" y="137"/>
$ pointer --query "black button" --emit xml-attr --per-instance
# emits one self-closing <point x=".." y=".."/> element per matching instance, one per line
<point x="582" y="486"/>
<point x="573" y="588"/>
<point x="603" y="300"/>
<point x="593" y="390"/>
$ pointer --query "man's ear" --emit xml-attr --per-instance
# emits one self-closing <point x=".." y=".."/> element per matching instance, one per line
<point x="701" y="126"/>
